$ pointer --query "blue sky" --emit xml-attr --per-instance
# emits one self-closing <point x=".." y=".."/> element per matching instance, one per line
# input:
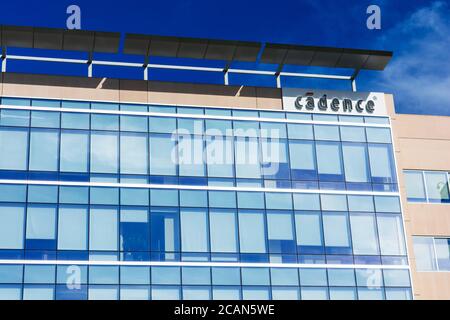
<point x="418" y="32"/>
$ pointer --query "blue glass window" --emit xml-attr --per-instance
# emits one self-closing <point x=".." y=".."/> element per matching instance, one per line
<point x="194" y="230"/>
<point x="252" y="232"/>
<point x="415" y="187"/>
<point x="44" y="146"/>
<point x="133" y="153"/>
<point x="337" y="232"/>
<point x="70" y="120"/>
<point x="104" y="122"/>
<point x="74" y="151"/>
<point x="104" y="152"/>
<point x="390" y="230"/>
<point x="364" y="234"/>
<point x="222" y="199"/>
<point x="274" y="159"/>
<point x="219" y="156"/>
<point x="166" y="293"/>
<point x="44" y="119"/>
<point x="382" y="163"/>
<point x="356" y="162"/>
<point x="280" y="229"/>
<point x="247" y="158"/>
<point x="133" y="123"/>
<point x="226" y="276"/>
<point x="15" y="118"/>
<point x="161" y="197"/>
<point x="74" y="195"/>
<point x="72" y="228"/>
<point x="309" y="232"/>
<point x="300" y="131"/>
<point x="134" y="230"/>
<point x="223" y="230"/>
<point x="162" y="125"/>
<point x="103" y="229"/>
<point x="303" y="160"/>
<point x="13" y="193"/>
<point x="13" y="148"/>
<point x="329" y="161"/>
<point x="41" y="227"/>
<point x="196" y="276"/>
<point x="134" y="275"/>
<point x="43" y="194"/>
<point x="437" y="187"/>
<point x="191" y="156"/>
<point x="165" y="224"/>
<point x="163" y="156"/>
<point x="166" y="275"/>
<point x="12" y="223"/>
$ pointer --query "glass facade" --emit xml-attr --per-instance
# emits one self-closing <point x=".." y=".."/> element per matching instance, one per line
<point x="109" y="201"/>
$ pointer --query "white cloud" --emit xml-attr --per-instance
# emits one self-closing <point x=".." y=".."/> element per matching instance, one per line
<point x="419" y="74"/>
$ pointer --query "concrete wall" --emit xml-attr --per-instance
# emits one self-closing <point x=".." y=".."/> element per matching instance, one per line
<point x="423" y="143"/>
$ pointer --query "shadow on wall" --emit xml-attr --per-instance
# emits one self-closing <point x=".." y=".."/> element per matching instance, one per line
<point x="139" y="91"/>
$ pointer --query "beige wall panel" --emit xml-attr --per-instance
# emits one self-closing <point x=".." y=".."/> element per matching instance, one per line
<point x="431" y="285"/>
<point x="429" y="219"/>
<point x="423" y="154"/>
<point x="202" y="95"/>
<point x="44" y="86"/>
<point x="133" y="91"/>
<point x="269" y="98"/>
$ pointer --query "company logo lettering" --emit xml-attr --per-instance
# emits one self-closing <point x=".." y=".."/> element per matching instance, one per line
<point x="324" y="104"/>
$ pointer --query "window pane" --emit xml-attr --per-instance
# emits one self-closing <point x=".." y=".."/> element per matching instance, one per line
<point x="165" y="293"/>
<point x="134" y="230"/>
<point x="44" y="119"/>
<point x="379" y="135"/>
<point x="104" y="122"/>
<point x="163" y="160"/>
<point x="275" y="158"/>
<point x="424" y="254"/>
<point x="191" y="156"/>
<point x="103" y="229"/>
<point x="326" y="132"/>
<point x="133" y="153"/>
<point x="281" y="232"/>
<point x="41" y="227"/>
<point x="14" y="149"/>
<point x="165" y="231"/>
<point x="44" y="150"/>
<point x="13" y="193"/>
<point x="390" y="230"/>
<point x="314" y="293"/>
<point x="309" y="232"/>
<point x="223" y="224"/>
<point x="16" y="118"/>
<point x="162" y="125"/>
<point x="415" y="189"/>
<point x="72" y="228"/>
<point x="285" y="293"/>
<point x="329" y="170"/>
<point x="300" y="131"/>
<point x="252" y="232"/>
<point x="364" y="234"/>
<point x="133" y="123"/>
<point x="382" y="163"/>
<point x="104" y="152"/>
<point x="12" y="224"/>
<point x="443" y="253"/>
<point x="353" y="134"/>
<point x="356" y="162"/>
<point x="71" y="120"/>
<point x="74" y="151"/>
<point x="302" y="160"/>
<point x="219" y="156"/>
<point x="337" y="233"/>
<point x="194" y="230"/>
<point x="247" y="158"/>
<point x="437" y="187"/>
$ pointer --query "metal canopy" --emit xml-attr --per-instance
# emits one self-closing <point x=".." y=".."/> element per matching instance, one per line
<point x="326" y="57"/>
<point x="248" y="51"/>
<point x="191" y="48"/>
<point x="59" y="39"/>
